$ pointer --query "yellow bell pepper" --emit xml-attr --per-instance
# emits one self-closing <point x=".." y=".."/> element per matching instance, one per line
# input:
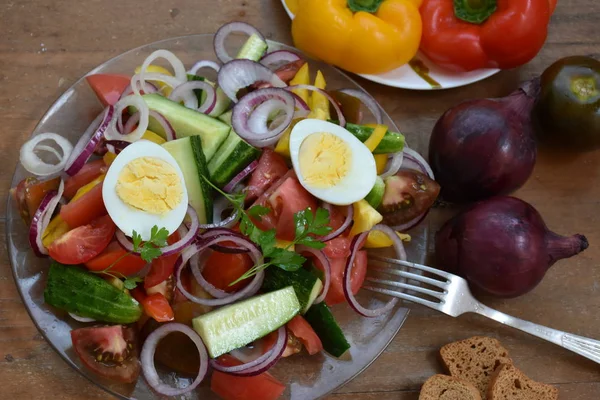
<point x="110" y="157"/>
<point x="376" y="137"/>
<point x="381" y="162"/>
<point x="302" y="77"/>
<point x="365" y="218"/>
<point x="164" y="88"/>
<point x="153" y="137"/>
<point x="319" y="105"/>
<point x="284" y="244"/>
<point x="360" y="36"/>
<point x="378" y="240"/>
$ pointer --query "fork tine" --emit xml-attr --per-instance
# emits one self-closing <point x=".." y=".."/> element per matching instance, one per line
<point x="425" y="268"/>
<point x="404" y="296"/>
<point x="410" y="275"/>
<point x="419" y="289"/>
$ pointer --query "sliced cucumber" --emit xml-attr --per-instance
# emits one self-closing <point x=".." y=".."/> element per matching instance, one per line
<point x="187" y="122"/>
<point x="226" y="117"/>
<point x="87" y="295"/>
<point x="375" y="196"/>
<point x="322" y="321"/>
<point x="239" y="324"/>
<point x="391" y="143"/>
<point x="306" y="285"/>
<point x="253" y="49"/>
<point x="232" y="157"/>
<point x="190" y="158"/>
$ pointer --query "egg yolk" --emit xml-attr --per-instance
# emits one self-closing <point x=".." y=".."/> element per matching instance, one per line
<point x="150" y="184"/>
<point x="324" y="160"/>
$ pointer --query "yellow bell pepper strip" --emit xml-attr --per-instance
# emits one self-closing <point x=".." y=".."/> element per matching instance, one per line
<point x="360" y="36"/>
<point x="365" y="218"/>
<point x="153" y="137"/>
<point x="376" y="137"/>
<point x="108" y="158"/>
<point x="283" y="145"/>
<point x="302" y="78"/>
<point x="379" y="240"/>
<point x="319" y="105"/>
<point x="381" y="162"/>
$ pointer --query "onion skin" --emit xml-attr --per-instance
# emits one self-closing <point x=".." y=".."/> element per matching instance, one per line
<point x="486" y="147"/>
<point x="502" y="246"/>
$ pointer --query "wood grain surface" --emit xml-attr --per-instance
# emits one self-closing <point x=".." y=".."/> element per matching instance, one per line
<point x="45" y="45"/>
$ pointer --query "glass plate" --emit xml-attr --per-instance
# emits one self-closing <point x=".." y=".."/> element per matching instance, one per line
<point x="306" y="377"/>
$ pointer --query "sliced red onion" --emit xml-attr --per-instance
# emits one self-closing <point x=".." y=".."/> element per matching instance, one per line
<point x="175" y="62"/>
<point x="219" y="206"/>
<point x="240" y="177"/>
<point x="204" y="64"/>
<point x="81" y="319"/>
<point x="225" y="31"/>
<point x="147" y="359"/>
<point x="262" y="363"/>
<point x="250" y="115"/>
<point x="413" y="160"/>
<point x="210" y="234"/>
<point x="239" y="74"/>
<point x="137" y="101"/>
<point x="174" y="248"/>
<point x="197" y="264"/>
<point x="345" y="225"/>
<point x="334" y="104"/>
<point x="394" y="165"/>
<point x="116" y="146"/>
<point x="137" y="85"/>
<point x="411" y="224"/>
<point x="300" y="104"/>
<point x="324" y="262"/>
<point x="165" y="124"/>
<point x="146" y="88"/>
<point x="368" y="101"/>
<point x="42" y="218"/>
<point x="277" y="58"/>
<point x="249" y="290"/>
<point x="357" y="243"/>
<point x="34" y="164"/>
<point x="185" y="92"/>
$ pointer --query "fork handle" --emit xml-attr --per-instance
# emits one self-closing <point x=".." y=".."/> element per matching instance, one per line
<point x="589" y="348"/>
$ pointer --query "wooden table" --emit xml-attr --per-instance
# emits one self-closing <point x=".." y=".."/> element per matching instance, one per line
<point x="47" y="44"/>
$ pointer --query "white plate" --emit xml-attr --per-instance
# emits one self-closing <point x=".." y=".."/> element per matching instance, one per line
<point x="406" y="78"/>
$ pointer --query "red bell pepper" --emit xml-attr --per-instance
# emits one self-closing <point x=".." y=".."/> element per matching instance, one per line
<point x="467" y="35"/>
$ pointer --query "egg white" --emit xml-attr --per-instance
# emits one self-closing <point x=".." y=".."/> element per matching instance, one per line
<point x="128" y="218"/>
<point x="362" y="172"/>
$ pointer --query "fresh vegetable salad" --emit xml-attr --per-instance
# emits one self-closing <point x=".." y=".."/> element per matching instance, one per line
<point x="212" y="225"/>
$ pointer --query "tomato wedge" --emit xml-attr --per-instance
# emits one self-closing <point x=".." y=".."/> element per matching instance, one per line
<point x="338" y="247"/>
<point x="162" y="267"/>
<point x="108" y="87"/>
<point x="286" y="201"/>
<point x="335" y="295"/>
<point x="223" y="268"/>
<point x="271" y="167"/>
<point x="122" y="262"/>
<point x="86" y="174"/>
<point x="85" y="209"/>
<point x="81" y="244"/>
<point x="158" y="307"/>
<point x="303" y="331"/>
<point x="230" y="387"/>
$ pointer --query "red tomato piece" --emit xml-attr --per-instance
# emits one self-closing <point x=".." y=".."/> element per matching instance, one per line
<point x="29" y="193"/>
<point x="221" y="269"/>
<point x="108" y="87"/>
<point x="121" y="261"/>
<point x="286" y="201"/>
<point x="338" y="247"/>
<point x="82" y="244"/>
<point x="231" y="387"/>
<point x="335" y="295"/>
<point x="303" y="331"/>
<point x="88" y="173"/>
<point x="336" y="218"/>
<point x="271" y="167"/>
<point x="162" y="267"/>
<point x="85" y="209"/>
<point x="157" y="306"/>
<point x="138" y="293"/>
<point x="113" y="343"/>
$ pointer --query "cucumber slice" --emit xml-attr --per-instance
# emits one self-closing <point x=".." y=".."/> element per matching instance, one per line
<point x="306" y="285"/>
<point x="232" y="157"/>
<point x="85" y="294"/>
<point x="253" y="49"/>
<point x="375" y="196"/>
<point x="226" y="117"/>
<point x="222" y="103"/>
<point x="190" y="158"/>
<point x="187" y="122"/>
<point x="322" y="321"/>
<point x="391" y="143"/>
<point x="239" y="324"/>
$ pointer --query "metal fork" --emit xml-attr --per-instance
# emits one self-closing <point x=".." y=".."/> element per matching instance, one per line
<point x="454" y="298"/>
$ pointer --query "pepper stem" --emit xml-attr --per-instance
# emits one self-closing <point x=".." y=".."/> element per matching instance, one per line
<point x="474" y="11"/>
<point x="370" y="6"/>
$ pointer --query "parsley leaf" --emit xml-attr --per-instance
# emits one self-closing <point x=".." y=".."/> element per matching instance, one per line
<point x="131" y="283"/>
<point x="258" y="211"/>
<point x="150" y="249"/>
<point x="286" y="260"/>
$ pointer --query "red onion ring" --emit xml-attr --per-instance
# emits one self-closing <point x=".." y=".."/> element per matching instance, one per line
<point x="174" y="248"/>
<point x="197" y="264"/>
<point x="225" y="31"/>
<point x="262" y="363"/>
<point x="250" y="114"/>
<point x="164" y="123"/>
<point x="34" y="164"/>
<point x="368" y="101"/>
<point x="204" y="64"/>
<point x="413" y="160"/>
<point x="394" y="165"/>
<point x="220" y="205"/>
<point x="334" y="104"/>
<point x="116" y="124"/>
<point x="147" y="358"/>
<point x="42" y="218"/>
<point x="324" y="261"/>
<point x="182" y="91"/>
<point x="178" y="68"/>
<point x="146" y="88"/>
<point x="240" y="177"/>
<point x="116" y="146"/>
<point x="345" y="225"/>
<point x="357" y="243"/>
<point x="239" y="74"/>
<point x="277" y="58"/>
<point x="300" y="104"/>
<point x="222" y="248"/>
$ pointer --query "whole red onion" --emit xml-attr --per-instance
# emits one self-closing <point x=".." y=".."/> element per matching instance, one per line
<point x="502" y="246"/>
<point x="485" y="147"/>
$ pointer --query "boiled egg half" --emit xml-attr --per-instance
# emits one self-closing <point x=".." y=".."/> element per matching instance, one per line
<point x="331" y="163"/>
<point x="145" y="187"/>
